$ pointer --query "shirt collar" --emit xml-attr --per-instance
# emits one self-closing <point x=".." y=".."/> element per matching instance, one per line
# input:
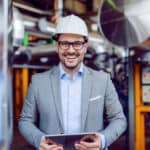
<point x="63" y="73"/>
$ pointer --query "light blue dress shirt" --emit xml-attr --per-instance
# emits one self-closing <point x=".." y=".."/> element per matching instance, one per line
<point x="71" y="89"/>
<point x="71" y="100"/>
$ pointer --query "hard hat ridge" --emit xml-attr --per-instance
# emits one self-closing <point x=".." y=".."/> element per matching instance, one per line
<point x="72" y="24"/>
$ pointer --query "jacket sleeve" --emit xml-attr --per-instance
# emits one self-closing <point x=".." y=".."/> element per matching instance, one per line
<point x="114" y="114"/>
<point x="29" y="116"/>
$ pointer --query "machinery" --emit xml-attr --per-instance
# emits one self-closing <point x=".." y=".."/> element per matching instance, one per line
<point x="126" y="24"/>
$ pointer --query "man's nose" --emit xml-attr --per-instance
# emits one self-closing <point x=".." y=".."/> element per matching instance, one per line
<point x="71" y="49"/>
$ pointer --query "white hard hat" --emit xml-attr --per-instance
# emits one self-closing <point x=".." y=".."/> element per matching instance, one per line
<point x="72" y="24"/>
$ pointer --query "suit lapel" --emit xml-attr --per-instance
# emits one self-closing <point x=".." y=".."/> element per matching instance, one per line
<point x="55" y="85"/>
<point x="86" y="91"/>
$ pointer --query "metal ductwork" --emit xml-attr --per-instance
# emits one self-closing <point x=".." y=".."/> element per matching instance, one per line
<point x="125" y="23"/>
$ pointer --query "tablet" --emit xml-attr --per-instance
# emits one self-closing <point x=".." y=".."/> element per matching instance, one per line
<point x="68" y="139"/>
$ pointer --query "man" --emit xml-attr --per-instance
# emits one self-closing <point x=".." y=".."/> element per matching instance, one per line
<point x="72" y="98"/>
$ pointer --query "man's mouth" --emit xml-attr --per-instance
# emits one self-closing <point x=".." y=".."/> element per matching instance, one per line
<point x="71" y="57"/>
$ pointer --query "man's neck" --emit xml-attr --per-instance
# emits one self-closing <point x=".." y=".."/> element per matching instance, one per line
<point x="71" y="71"/>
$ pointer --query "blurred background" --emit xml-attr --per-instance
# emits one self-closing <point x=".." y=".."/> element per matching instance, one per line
<point x="119" y="43"/>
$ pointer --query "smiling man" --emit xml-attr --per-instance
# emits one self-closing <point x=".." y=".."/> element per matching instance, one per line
<point x="71" y="50"/>
<point x="72" y="98"/>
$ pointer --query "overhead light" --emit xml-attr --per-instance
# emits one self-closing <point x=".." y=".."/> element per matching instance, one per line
<point x="94" y="27"/>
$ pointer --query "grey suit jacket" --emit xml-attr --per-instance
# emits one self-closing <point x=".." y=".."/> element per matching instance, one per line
<point x="42" y="112"/>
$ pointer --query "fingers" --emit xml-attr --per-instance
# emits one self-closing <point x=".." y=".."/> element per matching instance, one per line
<point x="50" y="147"/>
<point x="82" y="146"/>
<point x="89" y="145"/>
<point x="79" y="146"/>
<point x="60" y="148"/>
<point x="56" y="148"/>
<point x="88" y="142"/>
<point x="88" y="138"/>
<point x="48" y="144"/>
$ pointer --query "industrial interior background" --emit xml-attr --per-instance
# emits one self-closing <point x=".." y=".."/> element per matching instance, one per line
<point x="119" y="43"/>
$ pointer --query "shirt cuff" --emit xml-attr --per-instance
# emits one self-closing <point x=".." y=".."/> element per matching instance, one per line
<point x="102" y="141"/>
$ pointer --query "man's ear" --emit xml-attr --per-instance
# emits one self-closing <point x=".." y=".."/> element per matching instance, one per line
<point x="57" y="47"/>
<point x="85" y="48"/>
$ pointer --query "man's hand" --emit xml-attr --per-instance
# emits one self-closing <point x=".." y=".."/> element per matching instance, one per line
<point x="49" y="145"/>
<point x="89" y="142"/>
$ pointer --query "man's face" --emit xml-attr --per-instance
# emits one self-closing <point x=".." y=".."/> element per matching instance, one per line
<point x="71" y="49"/>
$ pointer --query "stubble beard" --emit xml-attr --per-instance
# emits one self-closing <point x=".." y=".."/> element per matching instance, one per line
<point x="73" y="67"/>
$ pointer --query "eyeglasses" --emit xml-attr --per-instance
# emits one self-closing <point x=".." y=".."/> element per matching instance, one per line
<point x="77" y="45"/>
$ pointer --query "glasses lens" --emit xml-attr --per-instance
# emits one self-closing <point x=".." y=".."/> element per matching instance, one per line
<point x="77" y="45"/>
<point x="64" y="44"/>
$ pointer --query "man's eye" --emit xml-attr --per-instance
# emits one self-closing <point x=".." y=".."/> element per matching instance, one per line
<point x="64" y="43"/>
<point x="78" y="43"/>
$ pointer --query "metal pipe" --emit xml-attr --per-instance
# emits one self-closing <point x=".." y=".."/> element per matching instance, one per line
<point x="5" y="78"/>
<point x="131" y="105"/>
<point x="29" y="8"/>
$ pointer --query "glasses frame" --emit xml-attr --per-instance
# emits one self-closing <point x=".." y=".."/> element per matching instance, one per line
<point x="71" y="44"/>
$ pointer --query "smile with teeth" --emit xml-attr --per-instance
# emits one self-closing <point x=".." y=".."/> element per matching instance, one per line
<point x="70" y="59"/>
